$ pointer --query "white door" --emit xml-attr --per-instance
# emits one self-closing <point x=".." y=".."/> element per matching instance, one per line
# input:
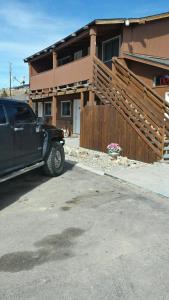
<point x="76" y="116"/>
<point x="40" y="109"/>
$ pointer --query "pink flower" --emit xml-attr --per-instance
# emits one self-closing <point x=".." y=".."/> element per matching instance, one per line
<point x="113" y="146"/>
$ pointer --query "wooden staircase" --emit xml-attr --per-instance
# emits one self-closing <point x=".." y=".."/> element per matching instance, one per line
<point x="141" y="107"/>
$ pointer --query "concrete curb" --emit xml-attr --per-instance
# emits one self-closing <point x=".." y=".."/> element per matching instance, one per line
<point x="147" y="190"/>
<point x="116" y="177"/>
<point x="92" y="170"/>
<point x="96" y="171"/>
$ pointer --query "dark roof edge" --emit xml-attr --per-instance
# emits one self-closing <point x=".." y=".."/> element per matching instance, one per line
<point x="160" y="61"/>
<point x="98" y="22"/>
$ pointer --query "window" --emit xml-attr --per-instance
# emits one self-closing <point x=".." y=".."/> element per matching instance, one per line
<point x="47" y="109"/>
<point x="22" y="114"/>
<point x="161" y="80"/>
<point x="65" y="109"/>
<point x="64" y="60"/>
<point x="2" y="115"/>
<point x="78" y="54"/>
<point x="110" y="48"/>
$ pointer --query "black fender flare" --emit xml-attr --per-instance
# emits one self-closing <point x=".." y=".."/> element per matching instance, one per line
<point x="48" y="140"/>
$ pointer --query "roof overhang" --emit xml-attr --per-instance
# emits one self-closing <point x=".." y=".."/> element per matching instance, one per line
<point x="96" y="22"/>
<point x="154" y="61"/>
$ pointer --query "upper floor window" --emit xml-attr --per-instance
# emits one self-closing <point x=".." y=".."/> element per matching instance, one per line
<point x="110" y="48"/>
<point x="64" y="60"/>
<point x="78" y="54"/>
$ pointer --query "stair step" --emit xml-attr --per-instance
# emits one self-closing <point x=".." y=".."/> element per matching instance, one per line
<point x="166" y="141"/>
<point x="166" y="148"/>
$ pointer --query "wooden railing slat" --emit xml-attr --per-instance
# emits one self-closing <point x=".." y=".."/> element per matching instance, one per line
<point x="138" y="104"/>
<point x="129" y="111"/>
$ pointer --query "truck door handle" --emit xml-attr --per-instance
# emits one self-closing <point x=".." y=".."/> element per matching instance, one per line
<point x="18" y="128"/>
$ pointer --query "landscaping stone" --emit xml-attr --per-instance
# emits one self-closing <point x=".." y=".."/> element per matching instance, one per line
<point x="99" y="160"/>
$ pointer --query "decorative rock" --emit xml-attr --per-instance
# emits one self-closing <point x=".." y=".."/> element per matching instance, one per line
<point x="99" y="160"/>
<point x="97" y="155"/>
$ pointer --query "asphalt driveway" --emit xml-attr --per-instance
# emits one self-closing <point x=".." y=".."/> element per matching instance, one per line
<point x="82" y="236"/>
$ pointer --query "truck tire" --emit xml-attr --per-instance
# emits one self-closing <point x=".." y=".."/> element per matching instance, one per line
<point x="54" y="162"/>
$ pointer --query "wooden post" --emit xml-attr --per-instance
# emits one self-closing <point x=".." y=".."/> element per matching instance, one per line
<point x="91" y="98"/>
<point x="92" y="54"/>
<point x="93" y="41"/>
<point x="81" y="100"/>
<point x="55" y="63"/>
<point x="54" y="110"/>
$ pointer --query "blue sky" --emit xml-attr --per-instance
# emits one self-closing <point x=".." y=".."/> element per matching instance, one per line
<point x="29" y="26"/>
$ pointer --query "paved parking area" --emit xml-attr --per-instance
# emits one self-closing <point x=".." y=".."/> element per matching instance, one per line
<point x="82" y="236"/>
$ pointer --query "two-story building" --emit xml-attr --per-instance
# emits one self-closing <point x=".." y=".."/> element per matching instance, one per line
<point x="66" y="76"/>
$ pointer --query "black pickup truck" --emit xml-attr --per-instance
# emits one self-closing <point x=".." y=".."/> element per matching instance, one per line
<point x="27" y="143"/>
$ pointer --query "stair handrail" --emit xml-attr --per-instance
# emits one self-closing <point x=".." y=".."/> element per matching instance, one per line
<point x="165" y="105"/>
<point x="144" y="84"/>
<point x="157" y="102"/>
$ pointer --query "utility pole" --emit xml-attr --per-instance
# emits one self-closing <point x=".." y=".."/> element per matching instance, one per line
<point x="10" y="78"/>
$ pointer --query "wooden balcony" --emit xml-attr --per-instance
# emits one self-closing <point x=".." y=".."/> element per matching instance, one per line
<point x="42" y="80"/>
<point x="79" y="70"/>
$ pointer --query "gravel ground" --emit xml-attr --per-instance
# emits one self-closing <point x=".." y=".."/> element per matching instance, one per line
<point x="98" y="160"/>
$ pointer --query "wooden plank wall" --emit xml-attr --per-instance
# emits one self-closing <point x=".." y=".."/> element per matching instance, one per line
<point x="102" y="124"/>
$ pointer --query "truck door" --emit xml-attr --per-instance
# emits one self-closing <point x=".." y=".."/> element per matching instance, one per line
<point x="28" y="141"/>
<point x="6" y="145"/>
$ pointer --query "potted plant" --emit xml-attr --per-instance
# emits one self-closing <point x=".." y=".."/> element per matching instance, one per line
<point x="114" y="150"/>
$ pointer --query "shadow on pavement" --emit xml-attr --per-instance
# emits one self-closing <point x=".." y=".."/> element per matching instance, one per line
<point x="12" y="190"/>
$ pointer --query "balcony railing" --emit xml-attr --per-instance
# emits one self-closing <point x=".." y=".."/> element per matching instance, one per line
<point x="42" y="80"/>
<point x="79" y="70"/>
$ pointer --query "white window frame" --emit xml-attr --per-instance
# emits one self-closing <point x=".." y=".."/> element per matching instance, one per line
<point x="63" y="116"/>
<point x="46" y="115"/>
<point x="109" y="40"/>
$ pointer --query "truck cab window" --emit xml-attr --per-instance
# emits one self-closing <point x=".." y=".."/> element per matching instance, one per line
<point x="2" y="115"/>
<point x="22" y="114"/>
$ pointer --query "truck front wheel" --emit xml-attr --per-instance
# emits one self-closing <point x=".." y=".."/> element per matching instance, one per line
<point x="54" y="162"/>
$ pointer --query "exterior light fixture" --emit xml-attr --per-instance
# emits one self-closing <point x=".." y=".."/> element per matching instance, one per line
<point x="127" y="22"/>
